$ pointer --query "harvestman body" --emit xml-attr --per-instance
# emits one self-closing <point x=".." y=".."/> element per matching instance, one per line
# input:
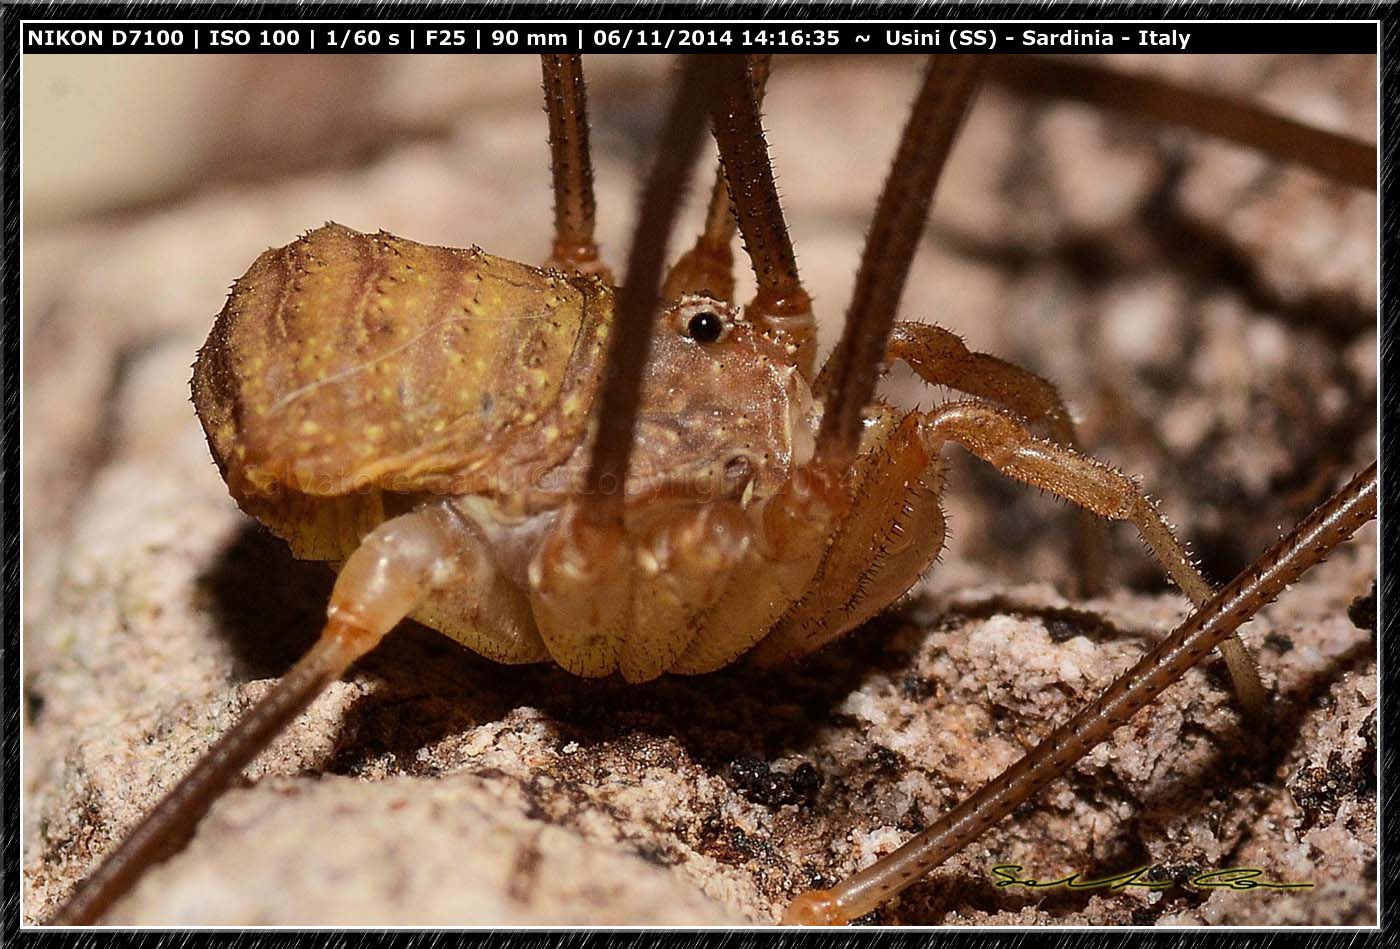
<point x="651" y="478"/>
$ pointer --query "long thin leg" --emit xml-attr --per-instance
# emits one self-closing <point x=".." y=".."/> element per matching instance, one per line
<point x="949" y="84"/>
<point x="566" y="101"/>
<point x="1333" y="154"/>
<point x="708" y="267"/>
<point x="781" y="303"/>
<point x="999" y="439"/>
<point x="583" y="573"/>
<point x="167" y="826"/>
<point x="398" y="564"/>
<point x="630" y="337"/>
<point x="1209" y="626"/>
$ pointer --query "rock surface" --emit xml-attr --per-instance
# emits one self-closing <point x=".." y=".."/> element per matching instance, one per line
<point x="1209" y="316"/>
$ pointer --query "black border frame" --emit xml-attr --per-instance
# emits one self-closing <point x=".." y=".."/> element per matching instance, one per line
<point x="1389" y="399"/>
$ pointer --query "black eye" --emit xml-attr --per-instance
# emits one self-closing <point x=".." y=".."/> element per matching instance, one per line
<point x="704" y="327"/>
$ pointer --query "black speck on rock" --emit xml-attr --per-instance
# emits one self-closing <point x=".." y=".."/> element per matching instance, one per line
<point x="757" y="781"/>
<point x="1362" y="611"/>
<point x="1061" y="630"/>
